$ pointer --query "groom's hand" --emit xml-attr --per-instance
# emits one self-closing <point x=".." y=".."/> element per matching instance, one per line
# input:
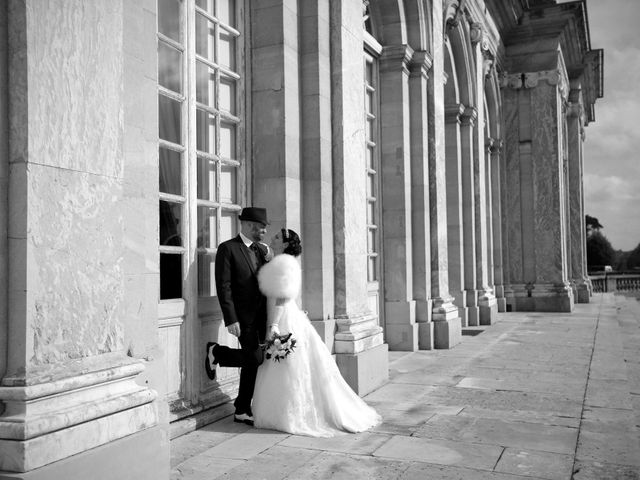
<point x="234" y="329"/>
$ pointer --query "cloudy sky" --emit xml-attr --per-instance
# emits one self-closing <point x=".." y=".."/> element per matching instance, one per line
<point x="612" y="146"/>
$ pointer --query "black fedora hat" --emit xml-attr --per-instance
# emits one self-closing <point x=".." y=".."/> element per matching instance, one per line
<point x="254" y="214"/>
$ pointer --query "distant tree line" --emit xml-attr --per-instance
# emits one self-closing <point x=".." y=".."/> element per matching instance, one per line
<point x="600" y="252"/>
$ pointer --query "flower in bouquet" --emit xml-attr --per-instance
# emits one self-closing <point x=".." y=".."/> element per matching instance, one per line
<point x="279" y="347"/>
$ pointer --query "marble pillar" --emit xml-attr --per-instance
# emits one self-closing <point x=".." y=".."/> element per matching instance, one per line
<point x="316" y="168"/>
<point x="467" y="151"/>
<point x="361" y="353"/>
<point x="455" y="235"/>
<point x="577" y="233"/>
<point x="495" y="162"/>
<point x="447" y="328"/>
<point x="72" y="387"/>
<point x="400" y="308"/>
<point x="421" y="233"/>
<point x="534" y="205"/>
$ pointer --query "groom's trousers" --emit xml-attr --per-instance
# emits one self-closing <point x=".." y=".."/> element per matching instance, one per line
<point x="248" y="359"/>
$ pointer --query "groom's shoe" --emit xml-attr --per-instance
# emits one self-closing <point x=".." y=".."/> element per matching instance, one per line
<point x="245" y="418"/>
<point x="210" y="361"/>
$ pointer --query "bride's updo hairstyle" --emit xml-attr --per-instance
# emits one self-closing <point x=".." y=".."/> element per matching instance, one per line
<point x="292" y="239"/>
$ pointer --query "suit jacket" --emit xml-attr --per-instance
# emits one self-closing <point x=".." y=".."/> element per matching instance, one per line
<point x="237" y="285"/>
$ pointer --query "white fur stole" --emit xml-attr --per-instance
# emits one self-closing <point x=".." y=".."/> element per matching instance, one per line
<point x="281" y="277"/>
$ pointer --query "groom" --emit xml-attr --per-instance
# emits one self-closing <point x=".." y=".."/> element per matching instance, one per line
<point x="243" y="306"/>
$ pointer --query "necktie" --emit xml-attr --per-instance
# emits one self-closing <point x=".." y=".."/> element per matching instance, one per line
<point x="256" y="254"/>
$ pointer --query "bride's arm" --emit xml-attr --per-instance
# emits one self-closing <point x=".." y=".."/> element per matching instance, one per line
<point x="276" y="308"/>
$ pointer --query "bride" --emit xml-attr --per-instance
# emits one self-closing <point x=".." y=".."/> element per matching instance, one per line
<point x="303" y="393"/>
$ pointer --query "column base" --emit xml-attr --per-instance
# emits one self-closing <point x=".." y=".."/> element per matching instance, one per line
<point x="463" y="313"/>
<point x="365" y="371"/>
<point x="401" y="331"/>
<point x="143" y="455"/>
<point x="473" y="316"/>
<point x="541" y="298"/>
<point x="447" y="327"/>
<point x="327" y="330"/>
<point x="582" y="293"/>
<point x="425" y="335"/>
<point x="502" y="305"/>
<point x="488" y="309"/>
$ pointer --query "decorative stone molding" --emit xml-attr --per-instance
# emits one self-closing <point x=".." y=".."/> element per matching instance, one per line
<point x="532" y="79"/>
<point x="396" y="58"/>
<point x="469" y="116"/>
<point x="488" y="63"/>
<point x="421" y="63"/>
<point x="453" y="12"/>
<point x="452" y="112"/>
<point x="511" y="80"/>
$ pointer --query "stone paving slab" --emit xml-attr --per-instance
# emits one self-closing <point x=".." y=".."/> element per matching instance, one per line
<point x="246" y="445"/>
<point x="443" y="452"/>
<point x="543" y="418"/>
<point x="552" y="466"/>
<point x="588" y="470"/>
<point x="485" y="431"/>
<point x="275" y="463"/>
<point x="427" y="471"/>
<point x="364" y="443"/>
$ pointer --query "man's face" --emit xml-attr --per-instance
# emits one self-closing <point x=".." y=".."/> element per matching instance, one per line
<point x="254" y="230"/>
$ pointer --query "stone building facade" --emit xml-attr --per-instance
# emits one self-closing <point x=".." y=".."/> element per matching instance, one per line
<point x="428" y="151"/>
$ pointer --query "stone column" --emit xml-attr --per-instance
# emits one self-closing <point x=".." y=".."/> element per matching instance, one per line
<point x="400" y="308"/>
<point x="577" y="234"/>
<point x="69" y="385"/>
<point x="467" y="121"/>
<point x="317" y="218"/>
<point x="275" y="113"/>
<point x="447" y="329"/>
<point x="454" y="209"/>
<point x="535" y="199"/>
<point x="421" y="240"/>
<point x="360" y="352"/>
<point x="495" y="162"/>
<point x="4" y="183"/>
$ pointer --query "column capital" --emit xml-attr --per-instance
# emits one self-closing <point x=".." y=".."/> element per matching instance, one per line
<point x="421" y="63"/>
<point x="452" y="112"/>
<point x="395" y="58"/>
<point x="520" y="80"/>
<point x="469" y="116"/>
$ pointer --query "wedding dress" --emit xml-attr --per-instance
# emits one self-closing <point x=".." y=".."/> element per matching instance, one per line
<point x="304" y="393"/>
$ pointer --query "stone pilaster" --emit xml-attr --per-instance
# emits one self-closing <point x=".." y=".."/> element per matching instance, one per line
<point x="454" y="209"/>
<point x="400" y="312"/>
<point x="69" y="385"/>
<point x="275" y="113"/>
<point x="468" y="124"/>
<point x="421" y="233"/>
<point x="487" y="304"/>
<point x="317" y="218"/>
<point x="537" y="235"/>
<point x="360" y="352"/>
<point x="495" y="162"/>
<point x="447" y="329"/>
<point x="577" y="234"/>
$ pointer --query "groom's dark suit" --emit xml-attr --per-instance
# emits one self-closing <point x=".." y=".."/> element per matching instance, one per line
<point x="236" y="269"/>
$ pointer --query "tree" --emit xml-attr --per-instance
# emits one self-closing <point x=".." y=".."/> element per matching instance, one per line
<point x="592" y="224"/>
<point x="633" y="259"/>
<point x="599" y="251"/>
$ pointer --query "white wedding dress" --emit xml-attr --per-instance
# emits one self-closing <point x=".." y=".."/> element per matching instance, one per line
<point x="304" y="393"/>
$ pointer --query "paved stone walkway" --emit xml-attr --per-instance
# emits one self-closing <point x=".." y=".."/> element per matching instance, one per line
<point x="534" y="396"/>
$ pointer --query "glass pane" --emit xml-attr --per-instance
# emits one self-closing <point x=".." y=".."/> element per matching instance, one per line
<point x="207" y="5"/>
<point x="227" y="50"/>
<point x="228" y="225"/>
<point x="228" y="184"/>
<point x="371" y="209"/>
<point x="227" y="140"/>
<point x="205" y="40"/>
<point x="170" y="216"/>
<point x="169" y="19"/>
<point x="372" y="274"/>
<point x="369" y="73"/>
<point x="207" y="227"/>
<point x="206" y="179"/>
<point x="371" y="185"/>
<point x="169" y="67"/>
<point x="371" y="129"/>
<point x="205" y="84"/>
<point x="370" y="159"/>
<point x="206" y="275"/>
<point x="170" y="124"/>
<point x="205" y="131"/>
<point x="170" y="172"/>
<point x="227" y="12"/>
<point x="170" y="276"/>
<point x="370" y="101"/>
<point x="371" y="241"/>
<point x="227" y="100"/>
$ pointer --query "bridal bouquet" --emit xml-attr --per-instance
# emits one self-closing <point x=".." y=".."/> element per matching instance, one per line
<point x="279" y="346"/>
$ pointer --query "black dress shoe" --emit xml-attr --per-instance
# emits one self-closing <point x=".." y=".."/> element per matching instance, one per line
<point x="210" y="361"/>
<point x="243" y="418"/>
